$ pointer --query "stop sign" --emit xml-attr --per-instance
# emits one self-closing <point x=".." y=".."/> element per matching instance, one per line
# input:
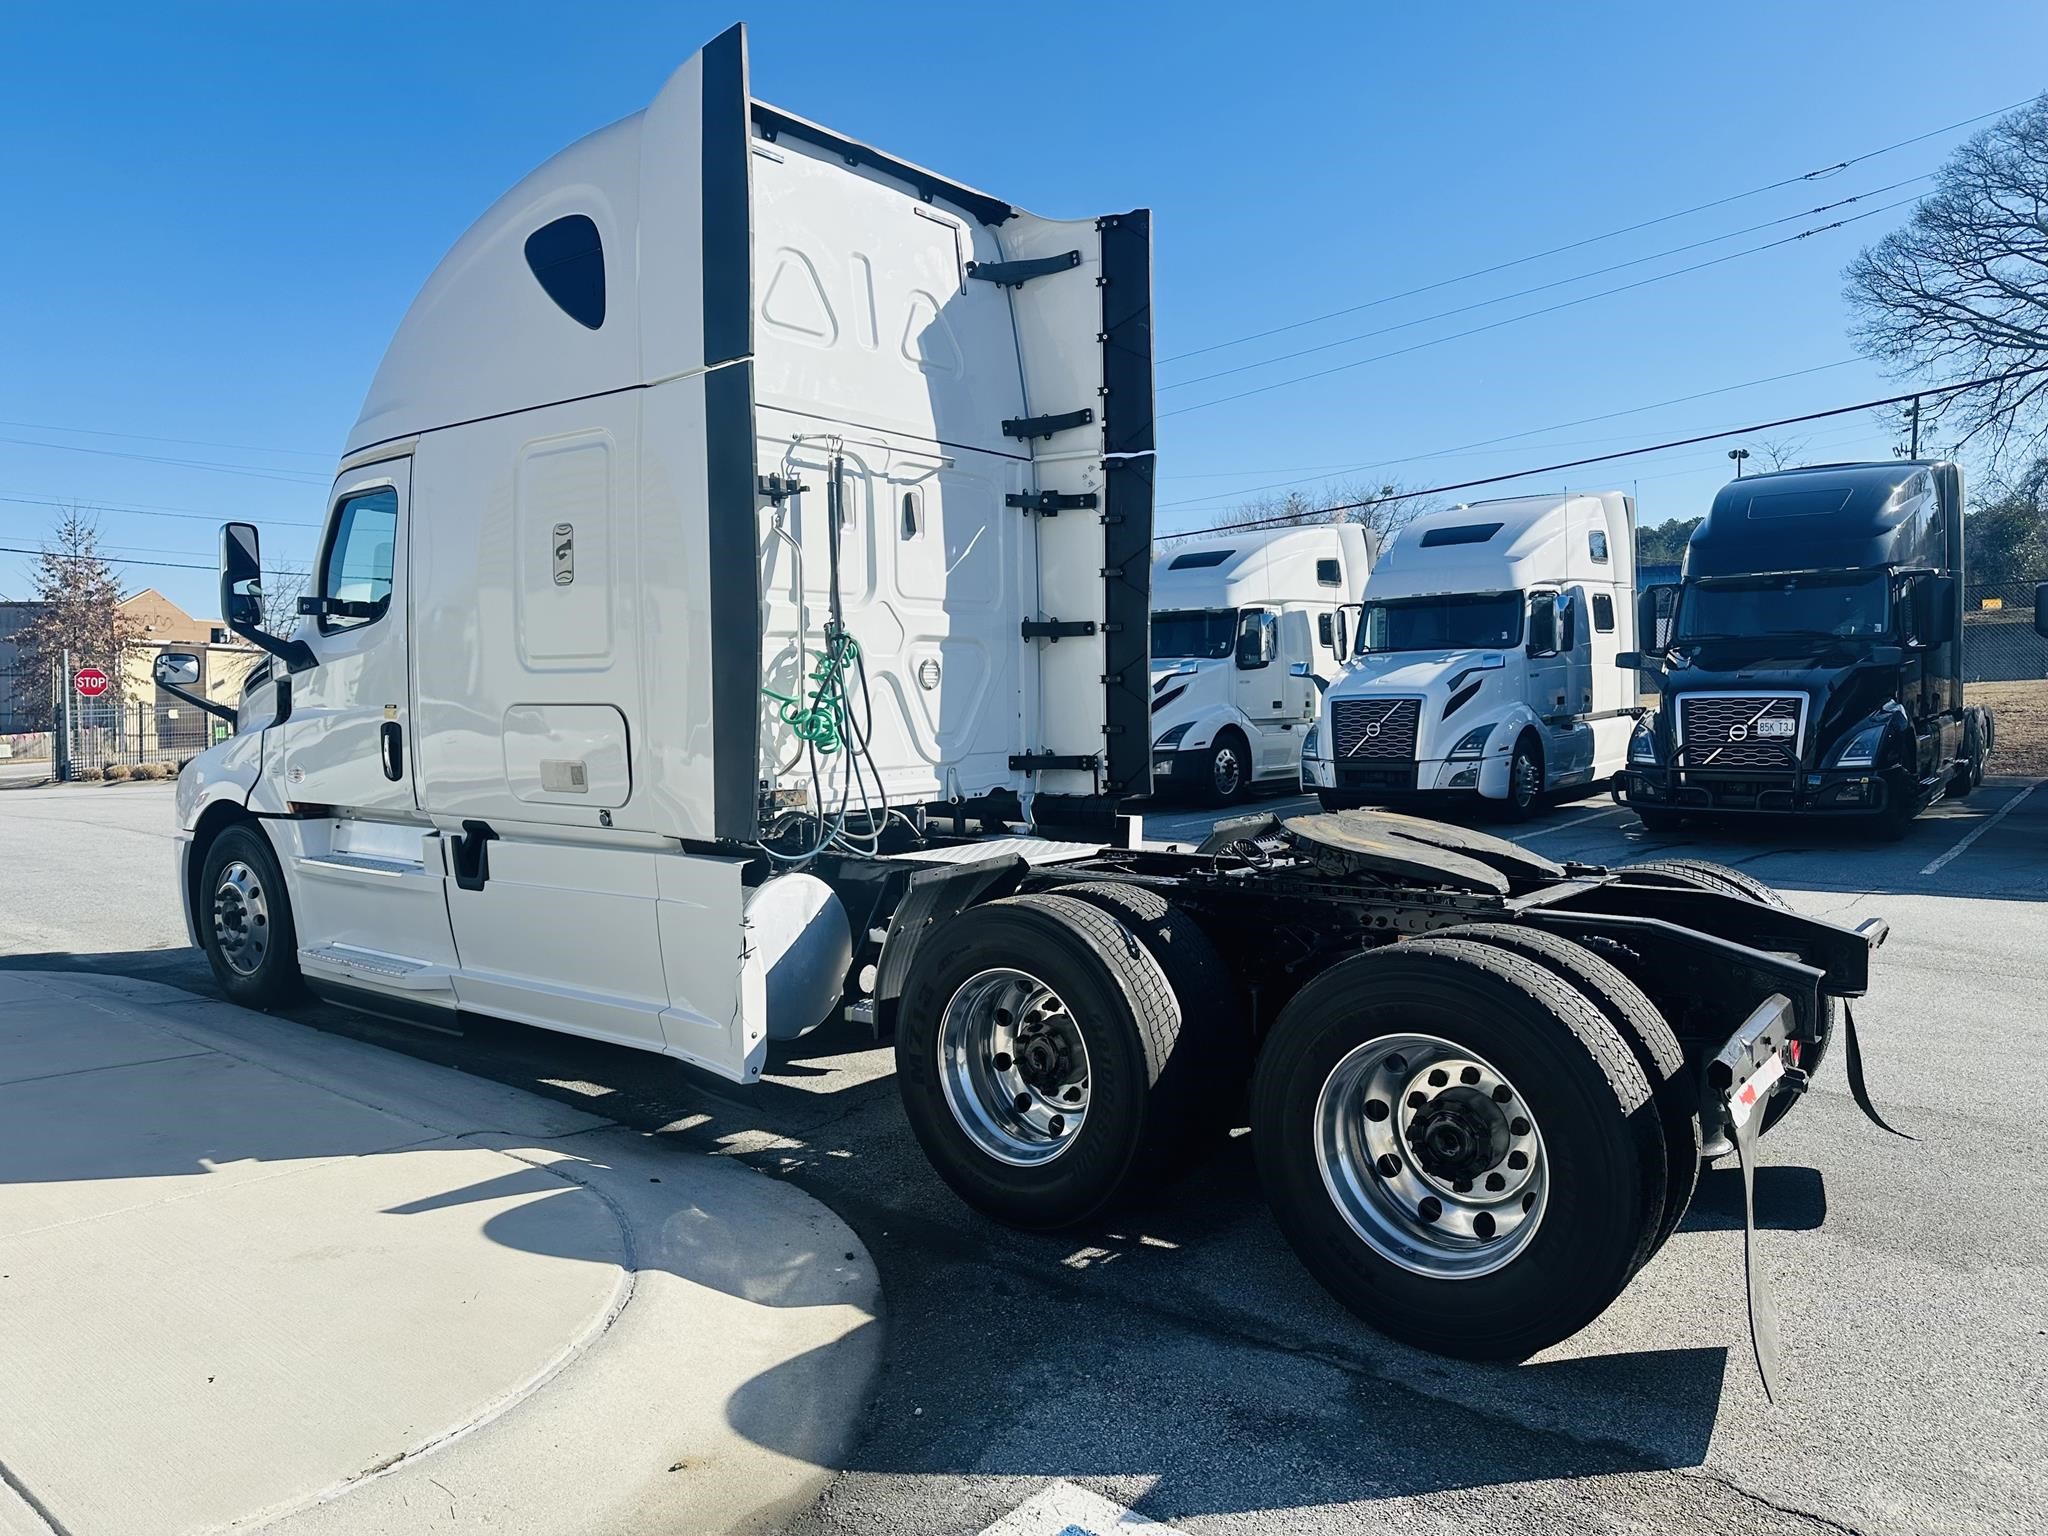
<point x="90" y="682"/>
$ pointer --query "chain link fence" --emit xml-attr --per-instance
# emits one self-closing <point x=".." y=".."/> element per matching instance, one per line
<point x="1999" y="643"/>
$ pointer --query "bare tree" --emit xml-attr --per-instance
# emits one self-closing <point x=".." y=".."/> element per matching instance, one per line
<point x="282" y="589"/>
<point x="1383" y="509"/>
<point x="1962" y="290"/>
<point x="78" y="596"/>
<point x="1781" y="453"/>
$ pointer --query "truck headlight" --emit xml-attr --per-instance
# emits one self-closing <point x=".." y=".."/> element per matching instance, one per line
<point x="1313" y="739"/>
<point x="1861" y="749"/>
<point x="1642" y="744"/>
<point x="1473" y="742"/>
<point x="1172" y="737"/>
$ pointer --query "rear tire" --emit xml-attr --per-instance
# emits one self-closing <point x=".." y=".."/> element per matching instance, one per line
<point x="1021" y="1002"/>
<point x="244" y="918"/>
<point x="1636" y="1019"/>
<point x="1594" y="1175"/>
<point x="1215" y="1019"/>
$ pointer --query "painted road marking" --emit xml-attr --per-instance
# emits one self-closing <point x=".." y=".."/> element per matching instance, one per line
<point x="1576" y="821"/>
<point x="1067" y="1509"/>
<point x="1981" y="828"/>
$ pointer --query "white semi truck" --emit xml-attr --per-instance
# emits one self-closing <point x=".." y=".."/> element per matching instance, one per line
<point x="732" y="613"/>
<point x="1246" y="633"/>
<point x="1485" y="659"/>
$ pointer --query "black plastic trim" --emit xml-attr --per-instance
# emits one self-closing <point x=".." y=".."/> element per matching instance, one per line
<point x="735" y="581"/>
<point x="1045" y="426"/>
<point x="1127" y="331"/>
<point x="775" y="123"/>
<point x="1127" y="625"/>
<point x="1015" y="274"/>
<point x="727" y="205"/>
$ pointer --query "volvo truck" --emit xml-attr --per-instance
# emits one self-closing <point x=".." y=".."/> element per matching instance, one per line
<point x="1484" y="668"/>
<point x="731" y="615"/>
<point x="1247" y="631"/>
<point x="1810" y="659"/>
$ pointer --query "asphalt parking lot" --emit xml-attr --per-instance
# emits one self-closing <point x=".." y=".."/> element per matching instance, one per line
<point x="1179" y="1361"/>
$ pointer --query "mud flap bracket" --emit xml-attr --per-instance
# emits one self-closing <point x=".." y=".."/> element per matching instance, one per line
<point x="1744" y="1073"/>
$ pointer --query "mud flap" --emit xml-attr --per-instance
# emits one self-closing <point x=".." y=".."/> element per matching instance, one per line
<point x="1859" y="1090"/>
<point x="1746" y="1071"/>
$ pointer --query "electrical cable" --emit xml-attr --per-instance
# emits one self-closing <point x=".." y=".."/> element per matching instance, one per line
<point x="1822" y="174"/>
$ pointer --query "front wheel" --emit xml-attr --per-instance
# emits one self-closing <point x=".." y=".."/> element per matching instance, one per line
<point x="245" y="920"/>
<point x="1458" y="1146"/>
<point x="1525" y="783"/>
<point x="1229" y="770"/>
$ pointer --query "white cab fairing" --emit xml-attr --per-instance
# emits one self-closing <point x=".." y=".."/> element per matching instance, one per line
<point x="1465" y="670"/>
<point x="525" y="770"/>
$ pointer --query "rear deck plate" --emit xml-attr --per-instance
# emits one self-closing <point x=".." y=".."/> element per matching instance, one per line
<point x="1387" y="850"/>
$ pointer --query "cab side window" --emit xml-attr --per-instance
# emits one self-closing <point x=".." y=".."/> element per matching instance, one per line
<point x="355" y="568"/>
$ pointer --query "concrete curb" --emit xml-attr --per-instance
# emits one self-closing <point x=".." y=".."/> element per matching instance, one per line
<point x="715" y="1371"/>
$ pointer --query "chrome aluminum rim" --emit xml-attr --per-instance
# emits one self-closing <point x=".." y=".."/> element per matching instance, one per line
<point x="1014" y="1067"/>
<point x="1227" y="770"/>
<point x="1432" y="1156"/>
<point x="241" y="919"/>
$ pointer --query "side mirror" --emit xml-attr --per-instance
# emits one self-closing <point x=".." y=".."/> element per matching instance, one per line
<point x="1543" y="624"/>
<point x="1629" y="661"/>
<point x="1655" y="606"/>
<point x="241" y="595"/>
<point x="1943" y="601"/>
<point x="2041" y="610"/>
<point x="175" y="669"/>
<point x="1299" y="669"/>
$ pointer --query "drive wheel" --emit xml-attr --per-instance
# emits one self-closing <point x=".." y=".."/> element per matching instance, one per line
<point x="1229" y="772"/>
<point x="1036" y="1058"/>
<point x="245" y="920"/>
<point x="1636" y="1019"/>
<point x="1659" y="823"/>
<point x="1458" y="1146"/>
<point x="1215" y="1023"/>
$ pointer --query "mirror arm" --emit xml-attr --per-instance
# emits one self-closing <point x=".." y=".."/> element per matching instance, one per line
<point x="295" y="654"/>
<point x="200" y="701"/>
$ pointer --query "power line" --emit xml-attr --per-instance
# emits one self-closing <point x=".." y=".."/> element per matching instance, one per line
<point x="1579" y="277"/>
<point x="1821" y="174"/>
<point x="165" y="565"/>
<point x="1626" y="453"/>
<point x="1548" y="309"/>
<point x="1558" y="426"/>
<point x="144" y="437"/>
<point x="144" y="510"/>
<point x="295" y="476"/>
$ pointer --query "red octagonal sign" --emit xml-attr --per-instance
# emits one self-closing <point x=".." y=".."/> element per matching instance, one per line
<point x="91" y="682"/>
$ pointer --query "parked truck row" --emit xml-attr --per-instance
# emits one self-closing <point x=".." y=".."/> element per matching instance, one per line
<point x="735" y="611"/>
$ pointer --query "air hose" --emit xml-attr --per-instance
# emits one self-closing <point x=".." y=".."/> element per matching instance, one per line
<point x="822" y="723"/>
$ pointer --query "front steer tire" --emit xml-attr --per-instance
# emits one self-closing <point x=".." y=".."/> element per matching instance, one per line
<point x="1602" y="1146"/>
<point x="244" y="916"/>
<point x="1140" y="1088"/>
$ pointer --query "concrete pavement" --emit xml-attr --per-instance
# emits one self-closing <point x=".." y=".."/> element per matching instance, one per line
<point x="261" y="1275"/>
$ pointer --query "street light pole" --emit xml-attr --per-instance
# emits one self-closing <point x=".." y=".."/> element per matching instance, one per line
<point x="1738" y="455"/>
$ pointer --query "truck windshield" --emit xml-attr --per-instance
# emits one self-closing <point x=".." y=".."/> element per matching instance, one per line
<point x="1841" y="603"/>
<point x="1463" y="622"/>
<point x="1207" y="634"/>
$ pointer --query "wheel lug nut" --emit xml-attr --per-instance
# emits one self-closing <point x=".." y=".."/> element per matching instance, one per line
<point x="1502" y="1093"/>
<point x="1375" y="1109"/>
<point x="1518" y="1160"/>
<point x="1518" y="1126"/>
<point x="1496" y="1183"/>
<point x="1439" y="1077"/>
<point x="1388" y="1165"/>
<point x="1001" y="1061"/>
<point x="1482" y="1224"/>
<point x="1469" y="1076"/>
<point x="1430" y="1209"/>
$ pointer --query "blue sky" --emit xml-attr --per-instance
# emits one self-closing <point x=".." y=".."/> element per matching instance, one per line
<point x="217" y="213"/>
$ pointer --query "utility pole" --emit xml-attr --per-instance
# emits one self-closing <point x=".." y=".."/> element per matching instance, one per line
<point x="1738" y="455"/>
<point x="64" y="764"/>
<point x="1915" y="451"/>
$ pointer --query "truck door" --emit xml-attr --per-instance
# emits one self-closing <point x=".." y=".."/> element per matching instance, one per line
<point x="1260" y="686"/>
<point x="347" y="741"/>
<point x="1549" y="668"/>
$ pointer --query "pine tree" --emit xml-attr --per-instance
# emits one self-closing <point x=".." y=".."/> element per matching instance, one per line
<point x="78" y="593"/>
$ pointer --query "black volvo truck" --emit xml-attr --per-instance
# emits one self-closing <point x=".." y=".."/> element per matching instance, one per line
<point x="1810" y="661"/>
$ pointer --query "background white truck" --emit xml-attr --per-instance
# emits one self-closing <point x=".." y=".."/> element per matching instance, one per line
<point x="1246" y="633"/>
<point x="1484" y="658"/>
<point x="736" y="581"/>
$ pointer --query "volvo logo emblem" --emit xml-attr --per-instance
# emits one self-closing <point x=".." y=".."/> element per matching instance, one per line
<point x="1738" y="732"/>
<point x="1373" y="729"/>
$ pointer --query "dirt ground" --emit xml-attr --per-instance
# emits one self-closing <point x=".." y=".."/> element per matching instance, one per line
<point x="2021" y="714"/>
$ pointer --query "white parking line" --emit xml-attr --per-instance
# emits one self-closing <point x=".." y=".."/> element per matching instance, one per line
<point x="1576" y="821"/>
<point x="1981" y="828"/>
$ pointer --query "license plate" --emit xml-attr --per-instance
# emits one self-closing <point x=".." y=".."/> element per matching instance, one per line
<point x="1774" y="727"/>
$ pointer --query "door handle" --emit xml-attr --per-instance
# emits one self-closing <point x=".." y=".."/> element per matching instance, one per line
<point x="392" y="739"/>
